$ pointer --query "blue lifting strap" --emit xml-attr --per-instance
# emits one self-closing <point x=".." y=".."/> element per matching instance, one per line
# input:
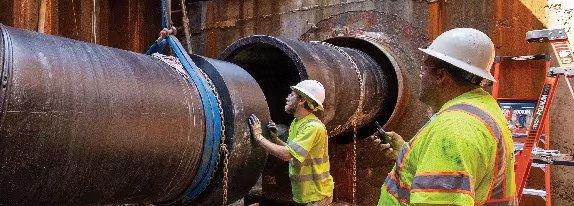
<point x="212" y="114"/>
<point x="211" y="108"/>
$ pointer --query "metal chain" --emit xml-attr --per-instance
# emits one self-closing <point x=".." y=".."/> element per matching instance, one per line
<point x="225" y="172"/>
<point x="94" y="23"/>
<point x="223" y="146"/>
<point x="176" y="64"/>
<point x="355" y="116"/>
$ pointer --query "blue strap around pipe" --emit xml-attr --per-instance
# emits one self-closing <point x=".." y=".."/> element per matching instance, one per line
<point x="157" y="47"/>
<point x="211" y="109"/>
<point x="212" y="114"/>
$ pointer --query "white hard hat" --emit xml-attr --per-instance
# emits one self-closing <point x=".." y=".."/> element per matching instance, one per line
<point x="311" y="90"/>
<point x="465" y="48"/>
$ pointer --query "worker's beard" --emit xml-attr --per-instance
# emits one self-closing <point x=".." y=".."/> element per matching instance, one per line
<point x="290" y="108"/>
<point x="427" y="93"/>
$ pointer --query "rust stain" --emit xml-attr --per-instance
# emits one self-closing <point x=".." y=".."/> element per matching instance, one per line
<point x="211" y="44"/>
<point x="512" y="19"/>
<point x="435" y="19"/>
<point x="25" y="14"/>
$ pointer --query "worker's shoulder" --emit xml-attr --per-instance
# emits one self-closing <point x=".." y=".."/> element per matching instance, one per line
<point x="313" y="123"/>
<point x="455" y="121"/>
<point x="453" y="116"/>
<point x="453" y="128"/>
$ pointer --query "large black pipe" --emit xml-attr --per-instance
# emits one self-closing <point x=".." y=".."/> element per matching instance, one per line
<point x="359" y="89"/>
<point x="87" y="124"/>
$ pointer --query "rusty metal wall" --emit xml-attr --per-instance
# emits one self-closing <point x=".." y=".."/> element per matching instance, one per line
<point x="217" y="24"/>
<point x="125" y="24"/>
<point x="562" y="139"/>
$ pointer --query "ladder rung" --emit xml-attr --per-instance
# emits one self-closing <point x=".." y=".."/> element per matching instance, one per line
<point x="546" y="35"/>
<point x="535" y="192"/>
<point x="535" y="57"/>
<point x="538" y="165"/>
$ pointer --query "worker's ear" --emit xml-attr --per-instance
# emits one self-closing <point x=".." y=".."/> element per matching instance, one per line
<point x="441" y="76"/>
<point x="301" y="101"/>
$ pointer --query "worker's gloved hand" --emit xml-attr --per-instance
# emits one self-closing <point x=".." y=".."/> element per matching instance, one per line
<point x="255" y="127"/>
<point x="393" y="145"/>
<point x="277" y="131"/>
<point x="273" y="131"/>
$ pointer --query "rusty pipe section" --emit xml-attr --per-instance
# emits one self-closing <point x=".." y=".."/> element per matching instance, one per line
<point x="86" y="124"/>
<point x="359" y="89"/>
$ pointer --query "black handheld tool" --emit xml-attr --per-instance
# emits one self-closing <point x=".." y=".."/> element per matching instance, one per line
<point x="382" y="135"/>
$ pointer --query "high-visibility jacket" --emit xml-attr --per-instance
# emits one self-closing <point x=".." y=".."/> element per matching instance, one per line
<point x="309" y="169"/>
<point x="462" y="156"/>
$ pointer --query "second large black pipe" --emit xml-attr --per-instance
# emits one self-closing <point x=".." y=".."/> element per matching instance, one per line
<point x="358" y="88"/>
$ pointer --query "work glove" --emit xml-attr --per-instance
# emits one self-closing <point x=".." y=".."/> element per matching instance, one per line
<point x="278" y="132"/>
<point x="255" y="127"/>
<point x="392" y="144"/>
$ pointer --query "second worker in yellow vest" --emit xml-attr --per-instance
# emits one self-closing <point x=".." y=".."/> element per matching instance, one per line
<point x="306" y="147"/>
<point x="464" y="154"/>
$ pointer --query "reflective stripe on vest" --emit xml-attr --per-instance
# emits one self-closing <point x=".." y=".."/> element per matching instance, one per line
<point x="297" y="148"/>
<point x="311" y="162"/>
<point x="396" y="189"/>
<point x="310" y="177"/>
<point x="459" y="182"/>
<point x="401" y="156"/>
<point x="497" y="187"/>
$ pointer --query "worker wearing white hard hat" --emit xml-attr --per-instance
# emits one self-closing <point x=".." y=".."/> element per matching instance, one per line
<point x="464" y="154"/>
<point x="306" y="146"/>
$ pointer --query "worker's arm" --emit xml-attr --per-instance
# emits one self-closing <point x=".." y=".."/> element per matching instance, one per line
<point x="278" y="141"/>
<point x="275" y="131"/>
<point x="277" y="150"/>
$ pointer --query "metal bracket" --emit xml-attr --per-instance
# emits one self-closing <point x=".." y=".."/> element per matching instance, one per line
<point x="546" y="35"/>
<point x="554" y="157"/>
<point x="555" y="71"/>
<point x="499" y="59"/>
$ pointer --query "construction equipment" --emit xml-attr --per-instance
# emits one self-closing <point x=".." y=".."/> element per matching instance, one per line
<point x="523" y="107"/>
<point x="529" y="152"/>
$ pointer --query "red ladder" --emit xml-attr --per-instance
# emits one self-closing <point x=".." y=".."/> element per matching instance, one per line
<point x="524" y="158"/>
<point x="546" y="193"/>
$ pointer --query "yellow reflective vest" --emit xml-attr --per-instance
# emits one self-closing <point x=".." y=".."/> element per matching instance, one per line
<point x="462" y="156"/>
<point x="309" y="169"/>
